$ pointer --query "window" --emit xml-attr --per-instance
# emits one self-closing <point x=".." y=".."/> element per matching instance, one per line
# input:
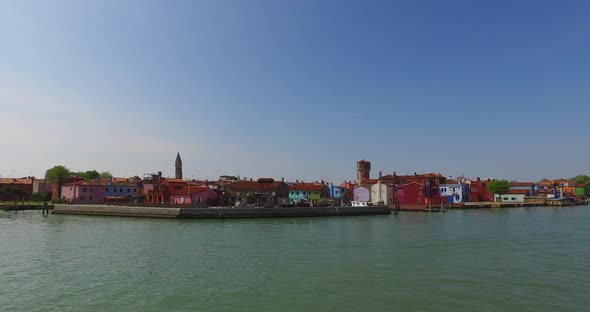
<point x="134" y="190"/>
<point x="84" y="189"/>
<point x="121" y="190"/>
<point x="81" y="197"/>
<point x="90" y="197"/>
<point x="106" y="190"/>
<point x="114" y="190"/>
<point x="128" y="190"/>
<point x="90" y="189"/>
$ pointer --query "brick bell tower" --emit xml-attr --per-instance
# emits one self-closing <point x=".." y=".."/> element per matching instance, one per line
<point x="363" y="169"/>
<point x="178" y="165"/>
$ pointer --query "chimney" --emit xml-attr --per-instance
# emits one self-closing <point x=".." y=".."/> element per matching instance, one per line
<point x="160" y="174"/>
<point x="415" y="174"/>
<point x="478" y="179"/>
<point x="380" y="175"/>
<point x="283" y="179"/>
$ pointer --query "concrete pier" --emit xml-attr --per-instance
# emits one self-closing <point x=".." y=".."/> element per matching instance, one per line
<point x="120" y="211"/>
<point x="218" y="213"/>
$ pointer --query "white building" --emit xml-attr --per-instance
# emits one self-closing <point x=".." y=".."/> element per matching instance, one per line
<point x="381" y="193"/>
<point x="455" y="193"/>
<point x="510" y="198"/>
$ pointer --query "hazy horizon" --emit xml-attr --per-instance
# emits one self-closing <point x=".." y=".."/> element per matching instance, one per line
<point x="295" y="89"/>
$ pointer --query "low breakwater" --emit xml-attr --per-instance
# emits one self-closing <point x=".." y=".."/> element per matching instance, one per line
<point x="218" y="213"/>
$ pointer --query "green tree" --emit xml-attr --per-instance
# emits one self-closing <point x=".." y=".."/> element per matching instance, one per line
<point x="499" y="187"/>
<point x="58" y="175"/>
<point x="105" y="175"/>
<point x="88" y="175"/>
<point x="584" y="180"/>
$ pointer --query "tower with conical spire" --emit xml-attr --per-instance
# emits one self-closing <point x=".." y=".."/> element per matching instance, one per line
<point x="178" y="166"/>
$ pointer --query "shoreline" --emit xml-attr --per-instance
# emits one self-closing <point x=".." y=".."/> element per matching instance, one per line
<point x="218" y="213"/>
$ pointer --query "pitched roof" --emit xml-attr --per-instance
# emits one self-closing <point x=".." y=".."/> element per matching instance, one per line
<point x="529" y="184"/>
<point x="124" y="183"/>
<point x="193" y="189"/>
<point x="88" y="183"/>
<point x="254" y="185"/>
<point x="369" y="181"/>
<point x="545" y="183"/>
<point x="414" y="176"/>
<point x="408" y="184"/>
<point x="12" y="181"/>
<point x="172" y="180"/>
<point x="522" y="192"/>
<point x="306" y="187"/>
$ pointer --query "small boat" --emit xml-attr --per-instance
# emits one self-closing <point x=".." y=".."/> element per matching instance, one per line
<point x="360" y="204"/>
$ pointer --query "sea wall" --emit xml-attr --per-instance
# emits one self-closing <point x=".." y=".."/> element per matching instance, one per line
<point x="229" y="213"/>
<point x="105" y="210"/>
<point x="218" y="213"/>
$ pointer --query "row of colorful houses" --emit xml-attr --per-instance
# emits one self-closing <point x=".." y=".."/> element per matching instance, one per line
<point x="408" y="190"/>
<point x="435" y="189"/>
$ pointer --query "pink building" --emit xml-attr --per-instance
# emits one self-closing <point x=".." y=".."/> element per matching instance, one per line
<point x="193" y="195"/>
<point x="84" y="192"/>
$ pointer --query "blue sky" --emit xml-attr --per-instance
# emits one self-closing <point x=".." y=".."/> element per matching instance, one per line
<point x="296" y="89"/>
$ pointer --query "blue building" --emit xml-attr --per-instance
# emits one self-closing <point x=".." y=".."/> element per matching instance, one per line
<point x="455" y="193"/>
<point x="118" y="187"/>
<point x="336" y="191"/>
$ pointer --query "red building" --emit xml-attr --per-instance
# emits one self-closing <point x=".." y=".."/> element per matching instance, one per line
<point x="25" y="184"/>
<point x="478" y="191"/>
<point x="410" y="194"/>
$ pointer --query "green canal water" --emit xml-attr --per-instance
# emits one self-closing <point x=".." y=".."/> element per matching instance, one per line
<point x="522" y="259"/>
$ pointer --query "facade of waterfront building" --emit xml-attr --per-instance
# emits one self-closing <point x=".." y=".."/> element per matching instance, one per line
<point x="194" y="195"/>
<point x="433" y="179"/>
<point x="530" y="187"/>
<point x="40" y="185"/>
<point x="455" y="193"/>
<point x="362" y="194"/>
<point x="478" y="191"/>
<point x="297" y="196"/>
<point x="25" y="184"/>
<point x="337" y="191"/>
<point x="510" y="198"/>
<point x="263" y="192"/>
<point x="121" y="187"/>
<point x="382" y="194"/>
<point x="84" y="192"/>
<point x="306" y="192"/>
<point x="410" y="194"/>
